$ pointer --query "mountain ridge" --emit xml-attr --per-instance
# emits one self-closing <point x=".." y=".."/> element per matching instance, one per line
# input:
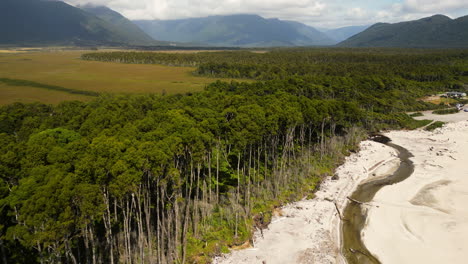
<point x="437" y="31"/>
<point x="36" y="22"/>
<point x="241" y="30"/>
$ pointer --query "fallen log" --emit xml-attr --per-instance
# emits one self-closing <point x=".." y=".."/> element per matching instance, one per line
<point x="353" y="200"/>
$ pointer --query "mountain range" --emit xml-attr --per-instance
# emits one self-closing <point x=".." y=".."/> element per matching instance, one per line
<point x="431" y="32"/>
<point x="36" y="22"/>
<point x="235" y="30"/>
<point x="41" y="22"/>
<point x="343" y="33"/>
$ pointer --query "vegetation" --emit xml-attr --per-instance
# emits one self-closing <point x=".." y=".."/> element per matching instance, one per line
<point x="13" y="94"/>
<point x="431" y="32"/>
<point x="416" y="114"/>
<point x="243" y="30"/>
<point x="65" y="69"/>
<point x="446" y="111"/>
<point x="435" y="125"/>
<point x="410" y="68"/>
<point x="15" y="82"/>
<point x="180" y="178"/>
<point x="32" y="22"/>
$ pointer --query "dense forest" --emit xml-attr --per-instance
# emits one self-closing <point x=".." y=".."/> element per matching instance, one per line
<point x="180" y="178"/>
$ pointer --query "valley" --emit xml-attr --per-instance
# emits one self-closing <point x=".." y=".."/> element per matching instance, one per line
<point x="225" y="132"/>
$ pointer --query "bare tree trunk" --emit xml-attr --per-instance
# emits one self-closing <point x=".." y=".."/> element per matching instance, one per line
<point x="107" y="224"/>
<point x="322" y="139"/>
<point x="217" y="172"/>
<point x="158" y="223"/>
<point x="139" y="220"/>
<point x="2" y="250"/>
<point x="93" y="243"/>
<point x="147" y="210"/>
<point x="210" y="198"/>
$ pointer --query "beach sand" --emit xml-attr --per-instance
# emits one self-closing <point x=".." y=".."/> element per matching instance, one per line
<point x="424" y="219"/>
<point x="308" y="230"/>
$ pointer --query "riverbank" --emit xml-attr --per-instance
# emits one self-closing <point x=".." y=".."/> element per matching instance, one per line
<point x="424" y="219"/>
<point x="308" y="231"/>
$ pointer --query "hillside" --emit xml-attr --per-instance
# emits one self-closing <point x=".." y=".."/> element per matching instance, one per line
<point x="343" y="33"/>
<point x="432" y="32"/>
<point x="122" y="24"/>
<point x="35" y="22"/>
<point x="235" y="30"/>
<point x="126" y="27"/>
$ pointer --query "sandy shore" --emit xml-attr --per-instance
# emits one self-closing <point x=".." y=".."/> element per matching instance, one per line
<point x="424" y="219"/>
<point x="308" y="230"/>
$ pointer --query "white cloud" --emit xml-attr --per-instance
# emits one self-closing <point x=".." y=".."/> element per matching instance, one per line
<point x="321" y="13"/>
<point x="434" y="6"/>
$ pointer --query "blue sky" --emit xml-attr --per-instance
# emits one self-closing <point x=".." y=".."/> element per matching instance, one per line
<point x="318" y="13"/>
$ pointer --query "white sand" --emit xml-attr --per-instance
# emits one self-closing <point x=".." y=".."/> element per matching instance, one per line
<point x="308" y="231"/>
<point x="424" y="219"/>
<point x="460" y="116"/>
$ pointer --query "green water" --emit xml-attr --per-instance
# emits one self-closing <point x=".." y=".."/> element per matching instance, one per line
<point x="354" y="215"/>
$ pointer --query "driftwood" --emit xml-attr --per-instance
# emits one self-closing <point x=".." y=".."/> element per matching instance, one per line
<point x="355" y="201"/>
<point x="354" y="251"/>
<point x="338" y="210"/>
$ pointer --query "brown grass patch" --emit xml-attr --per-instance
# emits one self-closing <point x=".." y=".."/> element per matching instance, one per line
<point x="243" y="246"/>
<point x="66" y="69"/>
<point x="12" y="94"/>
<point x="437" y="100"/>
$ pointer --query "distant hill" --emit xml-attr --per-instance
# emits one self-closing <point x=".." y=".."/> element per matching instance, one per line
<point x="36" y="22"/>
<point x="343" y="33"/>
<point x="235" y="30"/>
<point x="432" y="32"/>
<point x="121" y="24"/>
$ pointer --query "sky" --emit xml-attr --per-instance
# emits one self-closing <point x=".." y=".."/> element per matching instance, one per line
<point x="317" y="13"/>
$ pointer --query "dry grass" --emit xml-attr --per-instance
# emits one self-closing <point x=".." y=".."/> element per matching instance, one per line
<point x="436" y="99"/>
<point x="12" y="94"/>
<point x="66" y="69"/>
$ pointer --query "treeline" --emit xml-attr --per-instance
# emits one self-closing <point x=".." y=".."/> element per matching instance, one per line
<point x="446" y="66"/>
<point x="178" y="179"/>
<point x="164" y="179"/>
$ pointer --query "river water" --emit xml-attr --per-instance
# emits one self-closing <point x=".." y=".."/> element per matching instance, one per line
<point x="354" y="215"/>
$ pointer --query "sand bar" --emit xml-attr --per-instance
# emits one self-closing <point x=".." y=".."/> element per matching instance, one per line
<point x="308" y="230"/>
<point x="424" y="219"/>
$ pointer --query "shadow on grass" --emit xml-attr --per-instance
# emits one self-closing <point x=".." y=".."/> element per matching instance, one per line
<point x="16" y="82"/>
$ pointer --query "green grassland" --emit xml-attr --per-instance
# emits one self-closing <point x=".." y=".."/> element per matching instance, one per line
<point x="66" y="69"/>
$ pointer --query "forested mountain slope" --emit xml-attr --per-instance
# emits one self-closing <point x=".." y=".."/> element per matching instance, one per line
<point x="38" y="22"/>
<point x="432" y="32"/>
<point x="343" y="33"/>
<point x="235" y="30"/>
<point x="126" y="27"/>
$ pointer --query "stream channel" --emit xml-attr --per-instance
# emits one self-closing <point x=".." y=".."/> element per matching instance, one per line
<point x="354" y="215"/>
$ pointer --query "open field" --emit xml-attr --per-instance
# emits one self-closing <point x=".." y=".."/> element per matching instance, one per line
<point x="66" y="69"/>
<point x="25" y="94"/>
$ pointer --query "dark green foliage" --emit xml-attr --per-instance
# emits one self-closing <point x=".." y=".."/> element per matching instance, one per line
<point x="178" y="179"/>
<point x="235" y="31"/>
<point x="36" y="22"/>
<point x="431" y="32"/>
<point x="435" y="125"/>
<point x="446" y="111"/>
<point x="16" y="82"/>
